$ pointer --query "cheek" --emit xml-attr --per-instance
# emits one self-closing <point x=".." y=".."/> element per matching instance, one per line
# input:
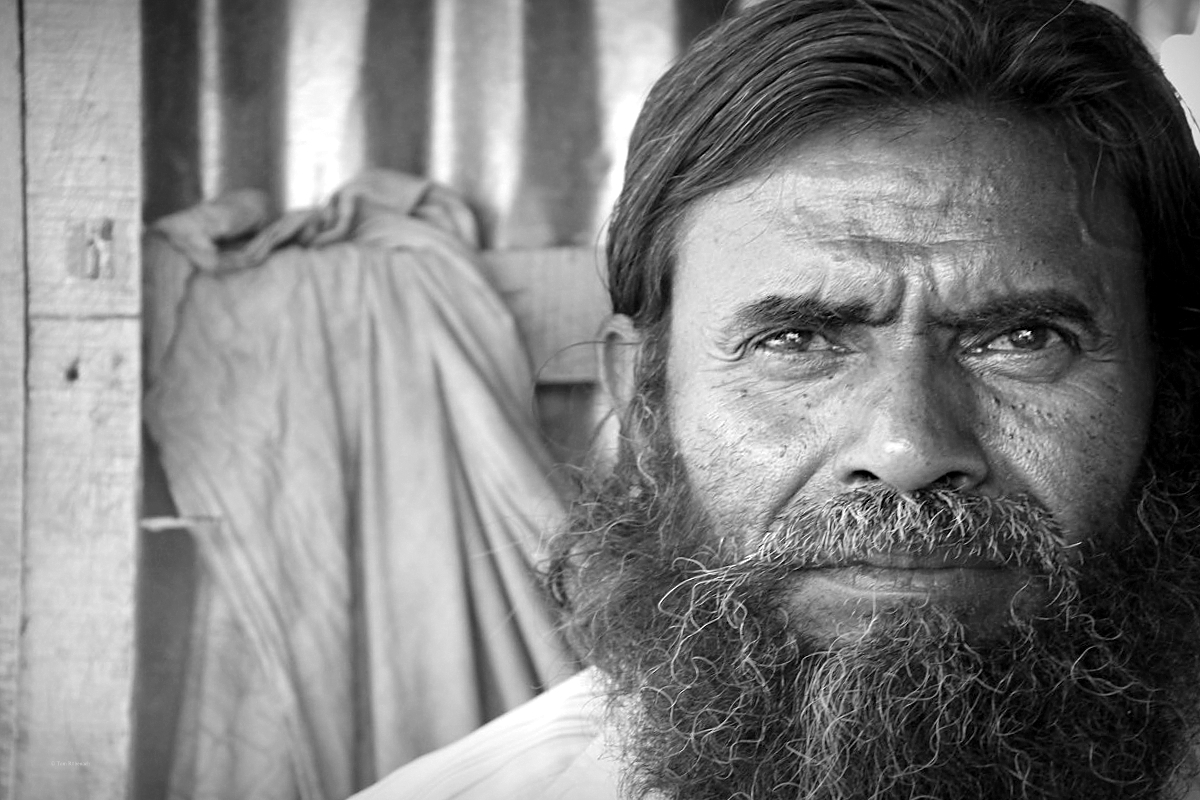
<point x="747" y="451"/>
<point x="1078" y="452"/>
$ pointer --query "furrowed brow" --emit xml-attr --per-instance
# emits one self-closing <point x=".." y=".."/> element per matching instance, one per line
<point x="777" y="311"/>
<point x="1012" y="311"/>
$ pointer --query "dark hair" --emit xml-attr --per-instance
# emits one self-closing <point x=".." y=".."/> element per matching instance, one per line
<point x="753" y="88"/>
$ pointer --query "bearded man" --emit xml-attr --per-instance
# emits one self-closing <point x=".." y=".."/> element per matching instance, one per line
<point x="904" y="344"/>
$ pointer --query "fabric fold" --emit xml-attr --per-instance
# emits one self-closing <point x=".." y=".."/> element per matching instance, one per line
<point x="347" y="400"/>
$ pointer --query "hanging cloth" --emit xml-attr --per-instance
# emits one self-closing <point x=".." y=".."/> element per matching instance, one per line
<point x="344" y="410"/>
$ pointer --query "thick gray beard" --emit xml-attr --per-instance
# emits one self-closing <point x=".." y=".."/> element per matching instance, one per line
<point x="718" y="695"/>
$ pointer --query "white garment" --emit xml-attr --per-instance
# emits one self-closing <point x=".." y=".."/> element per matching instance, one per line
<point x="352" y="417"/>
<point x="551" y="748"/>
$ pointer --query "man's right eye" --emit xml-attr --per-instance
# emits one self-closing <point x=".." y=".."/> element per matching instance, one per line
<point x="794" y="340"/>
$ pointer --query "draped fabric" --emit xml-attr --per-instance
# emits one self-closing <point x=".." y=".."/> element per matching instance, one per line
<point x="347" y="424"/>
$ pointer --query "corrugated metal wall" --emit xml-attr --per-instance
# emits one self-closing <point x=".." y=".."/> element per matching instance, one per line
<point x="524" y="106"/>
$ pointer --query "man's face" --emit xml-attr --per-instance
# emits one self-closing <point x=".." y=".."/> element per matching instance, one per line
<point x="889" y="522"/>
<point x="957" y="303"/>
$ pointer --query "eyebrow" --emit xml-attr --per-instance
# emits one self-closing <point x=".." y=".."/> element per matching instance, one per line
<point x="780" y="310"/>
<point x="1012" y="310"/>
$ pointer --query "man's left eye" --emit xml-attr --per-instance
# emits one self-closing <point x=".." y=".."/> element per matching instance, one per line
<point x="1031" y="338"/>
<point x="1031" y="352"/>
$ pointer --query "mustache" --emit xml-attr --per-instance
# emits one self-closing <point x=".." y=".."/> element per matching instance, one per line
<point x="940" y="526"/>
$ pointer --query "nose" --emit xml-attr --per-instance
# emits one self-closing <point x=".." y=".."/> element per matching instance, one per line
<point x="915" y="429"/>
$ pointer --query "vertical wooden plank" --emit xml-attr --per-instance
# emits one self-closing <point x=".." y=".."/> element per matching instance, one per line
<point x="75" y="714"/>
<point x="82" y="91"/>
<point x="83" y="156"/>
<point x="12" y="383"/>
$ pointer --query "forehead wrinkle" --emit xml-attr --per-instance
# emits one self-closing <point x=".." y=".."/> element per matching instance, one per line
<point x="878" y="196"/>
<point x="852" y="218"/>
<point x="881" y="196"/>
<point x="887" y="210"/>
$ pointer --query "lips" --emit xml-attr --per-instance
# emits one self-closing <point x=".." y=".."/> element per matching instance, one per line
<point x="900" y="560"/>
<point x="835" y="601"/>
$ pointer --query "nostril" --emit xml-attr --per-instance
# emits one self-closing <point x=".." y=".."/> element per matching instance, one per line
<point x="953" y="481"/>
<point x="862" y="477"/>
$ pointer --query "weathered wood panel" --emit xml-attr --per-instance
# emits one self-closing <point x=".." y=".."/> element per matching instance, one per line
<point x="559" y="300"/>
<point x="78" y="644"/>
<point x="83" y="153"/>
<point x="82" y="134"/>
<point x="12" y="384"/>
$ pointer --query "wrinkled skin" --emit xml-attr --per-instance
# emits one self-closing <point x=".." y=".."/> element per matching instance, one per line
<point x="954" y="302"/>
